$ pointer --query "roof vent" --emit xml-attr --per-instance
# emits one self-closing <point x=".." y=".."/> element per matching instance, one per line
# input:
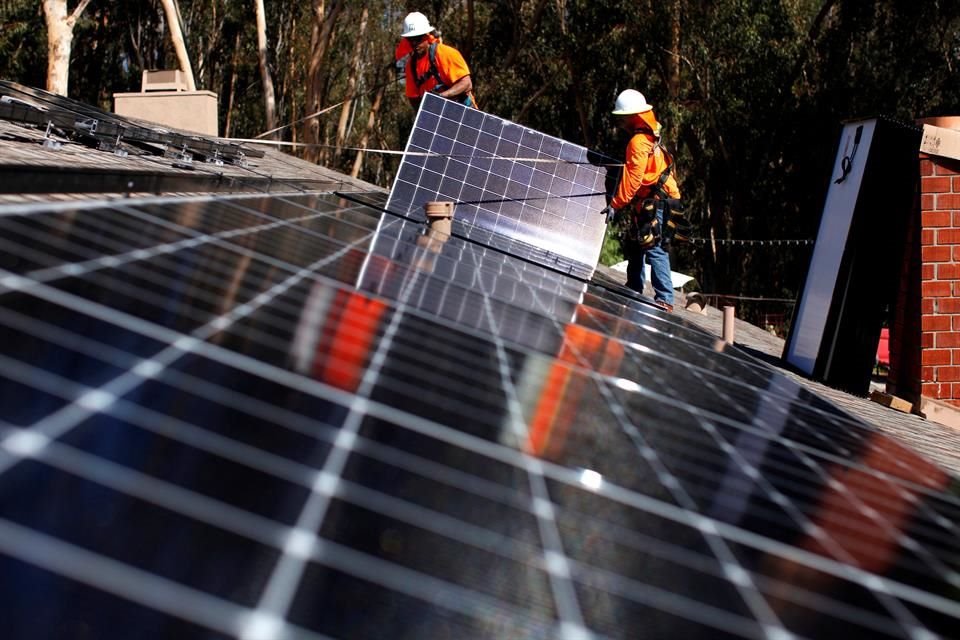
<point x="163" y="80"/>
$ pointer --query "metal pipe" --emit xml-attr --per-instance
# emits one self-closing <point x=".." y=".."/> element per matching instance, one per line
<point x="728" y="320"/>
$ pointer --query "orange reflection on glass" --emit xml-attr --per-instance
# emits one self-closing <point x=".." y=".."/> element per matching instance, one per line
<point x="871" y="546"/>
<point x="565" y="384"/>
<point x="348" y="336"/>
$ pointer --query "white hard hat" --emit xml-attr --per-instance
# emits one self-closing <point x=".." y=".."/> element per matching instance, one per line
<point x="415" y="24"/>
<point x="629" y="102"/>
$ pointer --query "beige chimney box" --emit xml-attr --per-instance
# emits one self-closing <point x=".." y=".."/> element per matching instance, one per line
<point x="164" y="99"/>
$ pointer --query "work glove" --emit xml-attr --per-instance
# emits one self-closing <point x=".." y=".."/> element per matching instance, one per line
<point x="609" y="213"/>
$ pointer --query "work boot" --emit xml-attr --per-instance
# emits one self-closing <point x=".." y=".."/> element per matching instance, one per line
<point x="663" y="304"/>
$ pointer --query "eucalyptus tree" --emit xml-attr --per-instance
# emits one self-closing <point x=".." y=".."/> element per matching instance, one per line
<point x="60" y="21"/>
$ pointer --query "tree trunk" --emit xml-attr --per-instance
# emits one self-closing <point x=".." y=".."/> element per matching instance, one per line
<point x="578" y="101"/>
<point x="269" y="98"/>
<point x="293" y="77"/>
<point x="351" y="86"/>
<point x="60" y="42"/>
<point x="471" y="31"/>
<point x="209" y="68"/>
<point x="233" y="86"/>
<point x="324" y="19"/>
<point x="673" y="57"/>
<point x="179" y="46"/>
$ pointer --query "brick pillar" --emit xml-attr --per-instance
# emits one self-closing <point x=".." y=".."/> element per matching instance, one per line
<point x="925" y="332"/>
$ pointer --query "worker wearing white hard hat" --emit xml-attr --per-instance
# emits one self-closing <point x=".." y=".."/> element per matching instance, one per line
<point x="644" y="196"/>
<point x="416" y="24"/>
<point x="433" y="67"/>
<point x="631" y="102"/>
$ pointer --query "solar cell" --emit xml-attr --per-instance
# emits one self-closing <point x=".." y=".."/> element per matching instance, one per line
<point x="506" y="179"/>
<point x="301" y="416"/>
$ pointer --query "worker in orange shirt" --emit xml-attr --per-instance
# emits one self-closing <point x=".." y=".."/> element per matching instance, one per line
<point x="644" y="197"/>
<point x="433" y="66"/>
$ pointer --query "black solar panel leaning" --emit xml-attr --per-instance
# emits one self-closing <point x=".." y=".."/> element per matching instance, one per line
<point x="303" y="416"/>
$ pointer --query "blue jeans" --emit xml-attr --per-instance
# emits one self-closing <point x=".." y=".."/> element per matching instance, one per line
<point x="659" y="261"/>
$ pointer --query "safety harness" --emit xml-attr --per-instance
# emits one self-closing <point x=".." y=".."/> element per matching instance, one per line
<point x="641" y="226"/>
<point x="467" y="98"/>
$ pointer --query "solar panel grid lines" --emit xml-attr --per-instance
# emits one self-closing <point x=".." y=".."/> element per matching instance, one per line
<point x="814" y="562"/>
<point x="781" y="499"/>
<point x="425" y="503"/>
<point x="519" y="270"/>
<point x="58" y="423"/>
<point x="468" y="268"/>
<point x="914" y="480"/>
<point x="478" y="236"/>
<point x="757" y="605"/>
<point x="130" y="230"/>
<point x="505" y="178"/>
<point x="571" y="625"/>
<point x="723" y="369"/>
<point x="157" y="422"/>
<point x="281" y="590"/>
<point x="831" y="546"/>
<point x="737" y="371"/>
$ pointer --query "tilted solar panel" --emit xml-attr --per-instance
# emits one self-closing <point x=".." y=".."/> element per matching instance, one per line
<point x="507" y="180"/>
<point x="301" y="416"/>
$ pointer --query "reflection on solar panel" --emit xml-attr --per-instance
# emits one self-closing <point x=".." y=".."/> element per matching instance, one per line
<point x="507" y="180"/>
<point x="276" y="417"/>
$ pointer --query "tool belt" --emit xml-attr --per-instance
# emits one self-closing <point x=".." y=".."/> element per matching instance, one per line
<point x="641" y="228"/>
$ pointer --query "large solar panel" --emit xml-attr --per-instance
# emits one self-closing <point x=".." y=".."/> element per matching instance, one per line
<point x="302" y="417"/>
<point x="508" y="180"/>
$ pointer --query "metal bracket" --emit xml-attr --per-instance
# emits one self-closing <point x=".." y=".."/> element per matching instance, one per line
<point x="88" y="126"/>
<point x="183" y="159"/>
<point x="215" y="159"/>
<point x="48" y="142"/>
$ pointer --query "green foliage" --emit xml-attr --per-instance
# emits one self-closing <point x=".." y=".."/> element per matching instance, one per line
<point x="610" y="252"/>
<point x="22" y="43"/>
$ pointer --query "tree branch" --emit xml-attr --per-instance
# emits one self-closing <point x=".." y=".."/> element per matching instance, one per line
<point x="76" y="12"/>
<point x="529" y="103"/>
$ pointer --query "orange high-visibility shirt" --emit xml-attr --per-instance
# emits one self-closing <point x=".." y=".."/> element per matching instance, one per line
<point x="403" y="49"/>
<point x="645" y="162"/>
<point x="450" y="65"/>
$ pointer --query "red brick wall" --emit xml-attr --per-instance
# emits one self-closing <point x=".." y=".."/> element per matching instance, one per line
<point x="939" y="287"/>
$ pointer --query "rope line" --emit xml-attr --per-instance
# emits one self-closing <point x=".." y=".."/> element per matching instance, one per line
<point x="292" y="124"/>
<point x="735" y="241"/>
<point x="426" y="154"/>
<point x="747" y="298"/>
<point x="332" y="107"/>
